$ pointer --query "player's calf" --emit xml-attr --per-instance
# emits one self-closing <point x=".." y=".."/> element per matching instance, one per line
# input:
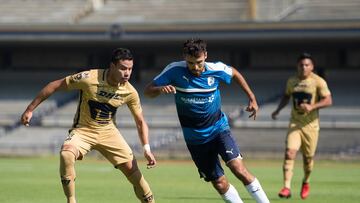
<point x="141" y="187"/>
<point x="67" y="174"/>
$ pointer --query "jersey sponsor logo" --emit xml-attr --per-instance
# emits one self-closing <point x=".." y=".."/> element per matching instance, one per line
<point x="300" y="86"/>
<point x="211" y="81"/>
<point x="109" y="95"/>
<point x="198" y="100"/>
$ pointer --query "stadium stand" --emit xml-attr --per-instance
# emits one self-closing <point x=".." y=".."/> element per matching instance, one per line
<point x="23" y="12"/>
<point x="40" y="12"/>
<point x="323" y="10"/>
<point x="14" y="99"/>
<point x="159" y="11"/>
<point x="176" y="11"/>
<point x="31" y="58"/>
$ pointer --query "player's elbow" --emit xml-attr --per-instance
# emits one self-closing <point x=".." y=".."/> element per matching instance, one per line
<point x="328" y="101"/>
<point x="57" y="85"/>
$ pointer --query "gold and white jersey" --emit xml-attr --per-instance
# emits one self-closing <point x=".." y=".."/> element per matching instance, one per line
<point x="99" y="101"/>
<point x="308" y="91"/>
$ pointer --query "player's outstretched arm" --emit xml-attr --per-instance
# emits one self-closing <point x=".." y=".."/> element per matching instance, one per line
<point x="252" y="106"/>
<point x="152" y="91"/>
<point x="47" y="91"/>
<point x="143" y="132"/>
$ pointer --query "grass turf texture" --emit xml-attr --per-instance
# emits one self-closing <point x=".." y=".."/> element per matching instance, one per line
<point x="27" y="180"/>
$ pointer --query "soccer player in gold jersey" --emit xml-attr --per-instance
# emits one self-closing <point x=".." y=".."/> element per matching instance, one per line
<point x="102" y="91"/>
<point x="309" y="92"/>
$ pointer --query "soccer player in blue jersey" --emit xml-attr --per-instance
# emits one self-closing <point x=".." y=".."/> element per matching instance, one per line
<point x="195" y="85"/>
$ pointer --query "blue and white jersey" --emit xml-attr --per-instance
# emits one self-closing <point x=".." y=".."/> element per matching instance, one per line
<point x="197" y="99"/>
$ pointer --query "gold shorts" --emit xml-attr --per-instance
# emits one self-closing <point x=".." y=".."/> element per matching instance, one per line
<point x="110" y="143"/>
<point x="304" y="138"/>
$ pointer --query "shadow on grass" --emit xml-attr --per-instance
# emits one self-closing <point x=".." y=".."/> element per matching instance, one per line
<point x="192" y="198"/>
<point x="213" y="198"/>
<point x="199" y="198"/>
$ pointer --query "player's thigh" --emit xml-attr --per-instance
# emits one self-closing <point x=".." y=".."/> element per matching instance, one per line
<point x="114" y="148"/>
<point x="206" y="160"/>
<point x="293" y="139"/>
<point x="79" y="142"/>
<point x="310" y="139"/>
<point x="227" y="148"/>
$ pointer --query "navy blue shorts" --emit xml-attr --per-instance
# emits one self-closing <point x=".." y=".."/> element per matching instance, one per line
<point x="206" y="156"/>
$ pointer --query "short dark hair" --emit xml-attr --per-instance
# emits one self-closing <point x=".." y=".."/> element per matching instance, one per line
<point x="305" y="55"/>
<point x="121" y="54"/>
<point x="194" y="47"/>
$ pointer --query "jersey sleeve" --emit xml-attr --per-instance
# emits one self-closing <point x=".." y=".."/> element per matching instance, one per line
<point x="133" y="103"/>
<point x="164" y="78"/>
<point x="78" y="80"/>
<point x="225" y="73"/>
<point x="322" y="88"/>
<point x="288" y="87"/>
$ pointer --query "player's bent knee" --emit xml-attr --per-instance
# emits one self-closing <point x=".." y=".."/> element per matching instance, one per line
<point x="67" y="157"/>
<point x="135" y="176"/>
<point x="67" y="171"/>
<point x="70" y="148"/>
<point x="239" y="168"/>
<point x="221" y="185"/>
<point x="290" y="154"/>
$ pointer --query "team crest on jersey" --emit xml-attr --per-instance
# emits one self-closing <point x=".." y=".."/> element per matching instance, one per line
<point x="211" y="80"/>
<point x="80" y="76"/>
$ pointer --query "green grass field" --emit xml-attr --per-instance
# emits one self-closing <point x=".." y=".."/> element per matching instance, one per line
<point x="28" y="180"/>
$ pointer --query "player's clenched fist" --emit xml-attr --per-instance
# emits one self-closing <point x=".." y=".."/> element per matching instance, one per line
<point x="25" y="118"/>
